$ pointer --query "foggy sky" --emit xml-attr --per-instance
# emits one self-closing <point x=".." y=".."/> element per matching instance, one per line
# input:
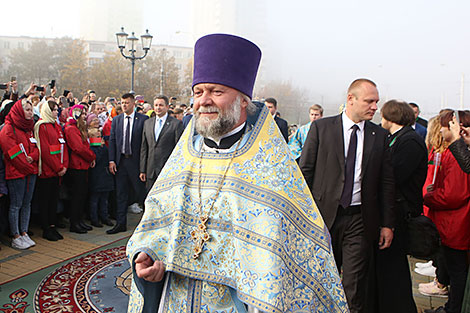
<point x="414" y="50"/>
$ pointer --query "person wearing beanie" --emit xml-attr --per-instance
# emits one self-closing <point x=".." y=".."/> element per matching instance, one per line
<point x="53" y="164"/>
<point x="80" y="160"/>
<point x="229" y="224"/>
<point x="21" y="167"/>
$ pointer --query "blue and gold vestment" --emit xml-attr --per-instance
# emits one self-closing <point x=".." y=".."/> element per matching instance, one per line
<point x="269" y="247"/>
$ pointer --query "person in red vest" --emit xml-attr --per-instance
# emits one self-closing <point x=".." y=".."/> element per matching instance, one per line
<point x="21" y="167"/>
<point x="53" y="164"/>
<point x="81" y="159"/>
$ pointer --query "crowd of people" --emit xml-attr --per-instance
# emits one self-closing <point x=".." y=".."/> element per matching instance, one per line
<point x="367" y="182"/>
<point x="55" y="154"/>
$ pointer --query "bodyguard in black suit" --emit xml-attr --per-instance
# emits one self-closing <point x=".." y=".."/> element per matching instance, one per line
<point x="346" y="164"/>
<point x="271" y="103"/>
<point x="124" y="158"/>
<point x="160" y="135"/>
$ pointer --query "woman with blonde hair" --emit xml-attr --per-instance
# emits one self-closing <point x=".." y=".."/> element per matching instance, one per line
<point x="434" y="140"/>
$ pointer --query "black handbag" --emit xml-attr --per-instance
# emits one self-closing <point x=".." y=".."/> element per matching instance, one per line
<point x="423" y="238"/>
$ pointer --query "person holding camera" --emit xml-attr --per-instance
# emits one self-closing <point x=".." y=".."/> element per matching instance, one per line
<point x="460" y="144"/>
<point x="53" y="163"/>
<point x="11" y="90"/>
<point x="21" y="167"/>
<point x="448" y="200"/>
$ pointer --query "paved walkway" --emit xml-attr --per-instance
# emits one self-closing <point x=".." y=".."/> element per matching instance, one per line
<point x="16" y="263"/>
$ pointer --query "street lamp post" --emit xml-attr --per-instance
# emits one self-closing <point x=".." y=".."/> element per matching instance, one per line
<point x="122" y="39"/>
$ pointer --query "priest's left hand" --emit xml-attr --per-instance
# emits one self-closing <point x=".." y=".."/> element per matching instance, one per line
<point x="148" y="269"/>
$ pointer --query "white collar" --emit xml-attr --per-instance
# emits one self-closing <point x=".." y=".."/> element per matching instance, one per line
<point x="348" y="123"/>
<point x="163" y="118"/>
<point x="397" y="130"/>
<point x="131" y="115"/>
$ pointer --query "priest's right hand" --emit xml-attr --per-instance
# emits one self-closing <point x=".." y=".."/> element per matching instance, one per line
<point x="148" y="269"/>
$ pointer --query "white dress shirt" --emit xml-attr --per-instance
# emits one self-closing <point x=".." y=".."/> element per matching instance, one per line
<point x="158" y="126"/>
<point x="347" y="130"/>
<point x="124" y="126"/>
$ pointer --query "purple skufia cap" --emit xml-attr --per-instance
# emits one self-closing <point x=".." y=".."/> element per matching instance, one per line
<point x="227" y="60"/>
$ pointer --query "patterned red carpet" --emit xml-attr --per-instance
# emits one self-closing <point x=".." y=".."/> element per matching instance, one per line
<point x="96" y="282"/>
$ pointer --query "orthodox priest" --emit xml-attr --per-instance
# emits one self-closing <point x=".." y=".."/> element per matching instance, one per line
<point x="230" y="224"/>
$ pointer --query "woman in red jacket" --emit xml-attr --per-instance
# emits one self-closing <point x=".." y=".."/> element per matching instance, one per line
<point x="21" y="167"/>
<point x="81" y="158"/>
<point x="53" y="163"/>
<point x="448" y="200"/>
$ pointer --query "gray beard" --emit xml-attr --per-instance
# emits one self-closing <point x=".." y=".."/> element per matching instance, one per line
<point x="224" y="122"/>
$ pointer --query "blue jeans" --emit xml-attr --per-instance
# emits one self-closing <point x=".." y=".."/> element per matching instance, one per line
<point x="21" y="192"/>
<point x="99" y="206"/>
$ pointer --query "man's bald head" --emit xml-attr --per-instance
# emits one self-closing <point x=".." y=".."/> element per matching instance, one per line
<point x="358" y="83"/>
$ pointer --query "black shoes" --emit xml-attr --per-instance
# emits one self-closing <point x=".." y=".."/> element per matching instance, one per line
<point x="77" y="229"/>
<point x="117" y="229"/>
<point x="438" y="310"/>
<point x="57" y="234"/>
<point x="96" y="224"/>
<point x="107" y="222"/>
<point x="51" y="234"/>
<point x="85" y="226"/>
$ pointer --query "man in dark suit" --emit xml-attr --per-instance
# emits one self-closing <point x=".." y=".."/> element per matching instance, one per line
<point x="124" y="158"/>
<point x="161" y="133"/>
<point x="346" y="164"/>
<point x="271" y="103"/>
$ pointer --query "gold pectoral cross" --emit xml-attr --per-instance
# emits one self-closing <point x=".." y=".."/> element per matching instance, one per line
<point x="200" y="236"/>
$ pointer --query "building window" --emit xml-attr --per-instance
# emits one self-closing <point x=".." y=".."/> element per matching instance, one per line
<point x="96" y="48"/>
<point x="20" y="44"/>
<point x="6" y="45"/>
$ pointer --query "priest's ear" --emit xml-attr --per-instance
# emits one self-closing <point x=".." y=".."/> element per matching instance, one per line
<point x="244" y="100"/>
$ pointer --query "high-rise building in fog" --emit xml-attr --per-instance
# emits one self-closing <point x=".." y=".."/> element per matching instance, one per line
<point x="245" y="18"/>
<point x="101" y="20"/>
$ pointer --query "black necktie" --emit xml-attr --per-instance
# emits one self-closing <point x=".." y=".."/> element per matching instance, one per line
<point x="127" y="142"/>
<point x="346" y="196"/>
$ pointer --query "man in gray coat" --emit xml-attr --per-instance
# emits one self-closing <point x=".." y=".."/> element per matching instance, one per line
<point x="160" y="135"/>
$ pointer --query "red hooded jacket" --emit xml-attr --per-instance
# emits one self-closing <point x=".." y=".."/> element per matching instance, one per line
<point x="81" y="155"/>
<point x="16" y="139"/>
<point x="449" y="203"/>
<point x="54" y="152"/>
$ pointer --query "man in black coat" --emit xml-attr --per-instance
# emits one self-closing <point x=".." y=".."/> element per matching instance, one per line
<point x="346" y="164"/>
<point x="124" y="158"/>
<point x="393" y="289"/>
<point x="271" y="103"/>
